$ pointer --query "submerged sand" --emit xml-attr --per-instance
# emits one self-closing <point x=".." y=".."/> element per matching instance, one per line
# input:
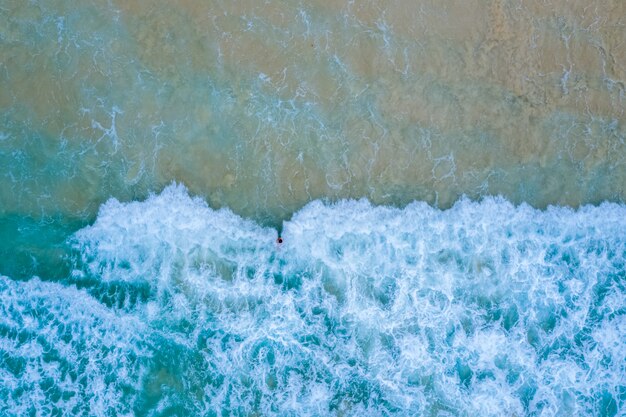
<point x="263" y="107"/>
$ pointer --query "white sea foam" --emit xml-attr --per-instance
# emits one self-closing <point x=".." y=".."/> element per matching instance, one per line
<point x="482" y="309"/>
<point x="63" y="353"/>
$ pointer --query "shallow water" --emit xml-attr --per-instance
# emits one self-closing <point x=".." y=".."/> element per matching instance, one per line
<point x="123" y="295"/>
<point x="263" y="108"/>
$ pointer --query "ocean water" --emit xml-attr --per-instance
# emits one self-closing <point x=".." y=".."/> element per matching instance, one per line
<point x="174" y="308"/>
<point x="448" y="178"/>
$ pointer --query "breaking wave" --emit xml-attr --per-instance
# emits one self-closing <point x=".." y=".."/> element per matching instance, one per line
<point x="174" y="308"/>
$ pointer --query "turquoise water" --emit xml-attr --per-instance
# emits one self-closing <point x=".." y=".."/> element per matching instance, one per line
<point x="448" y="178"/>
<point x="173" y="308"/>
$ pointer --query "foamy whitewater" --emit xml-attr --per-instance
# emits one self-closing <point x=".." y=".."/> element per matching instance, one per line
<point x="173" y="308"/>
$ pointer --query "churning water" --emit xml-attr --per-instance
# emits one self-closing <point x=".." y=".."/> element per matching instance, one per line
<point x="448" y="179"/>
<point x="174" y="308"/>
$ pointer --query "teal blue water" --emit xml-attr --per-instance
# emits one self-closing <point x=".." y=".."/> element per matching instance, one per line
<point x="448" y="179"/>
<point x="173" y="308"/>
